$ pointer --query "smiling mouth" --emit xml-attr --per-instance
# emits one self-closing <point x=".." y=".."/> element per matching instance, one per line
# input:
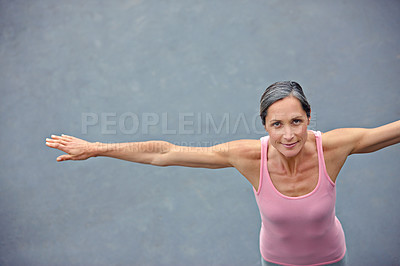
<point x="291" y="145"/>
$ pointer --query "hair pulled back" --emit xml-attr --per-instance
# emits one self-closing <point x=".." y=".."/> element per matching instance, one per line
<point x="279" y="91"/>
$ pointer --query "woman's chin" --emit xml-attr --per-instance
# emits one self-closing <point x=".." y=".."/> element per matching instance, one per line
<point x="290" y="151"/>
<point x="289" y="154"/>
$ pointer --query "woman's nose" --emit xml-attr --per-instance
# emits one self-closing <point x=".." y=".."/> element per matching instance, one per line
<point x="288" y="135"/>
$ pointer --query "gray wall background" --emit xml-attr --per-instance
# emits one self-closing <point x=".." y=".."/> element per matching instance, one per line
<point x="63" y="63"/>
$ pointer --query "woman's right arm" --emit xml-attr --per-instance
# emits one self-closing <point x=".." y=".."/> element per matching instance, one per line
<point x="160" y="153"/>
<point x="244" y="155"/>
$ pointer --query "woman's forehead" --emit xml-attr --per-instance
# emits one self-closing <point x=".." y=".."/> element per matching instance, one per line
<point x="286" y="106"/>
<point x="285" y="116"/>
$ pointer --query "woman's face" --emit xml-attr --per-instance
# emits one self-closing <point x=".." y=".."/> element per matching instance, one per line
<point x="286" y="123"/>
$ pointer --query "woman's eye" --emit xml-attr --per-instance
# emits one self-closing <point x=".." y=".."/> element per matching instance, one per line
<point x="276" y="124"/>
<point x="296" y="121"/>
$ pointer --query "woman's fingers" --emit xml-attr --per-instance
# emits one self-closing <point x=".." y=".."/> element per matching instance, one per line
<point x="63" y="158"/>
<point x="54" y="137"/>
<point x="61" y="141"/>
<point x="75" y="148"/>
<point x="62" y="137"/>
<point x="56" y="143"/>
<point x="67" y="137"/>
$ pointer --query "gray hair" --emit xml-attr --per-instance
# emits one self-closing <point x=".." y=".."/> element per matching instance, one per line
<point x="279" y="91"/>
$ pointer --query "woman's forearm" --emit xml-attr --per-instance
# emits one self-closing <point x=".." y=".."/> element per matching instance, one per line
<point x="149" y="152"/>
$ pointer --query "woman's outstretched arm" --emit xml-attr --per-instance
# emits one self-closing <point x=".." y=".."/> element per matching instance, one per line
<point x="363" y="140"/>
<point x="159" y="153"/>
<point x="378" y="138"/>
<point x="338" y="144"/>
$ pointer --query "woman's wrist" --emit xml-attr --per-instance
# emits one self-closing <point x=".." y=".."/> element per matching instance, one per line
<point x="97" y="149"/>
<point x="103" y="149"/>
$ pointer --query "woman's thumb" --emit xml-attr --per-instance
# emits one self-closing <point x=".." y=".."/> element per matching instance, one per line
<point x="63" y="158"/>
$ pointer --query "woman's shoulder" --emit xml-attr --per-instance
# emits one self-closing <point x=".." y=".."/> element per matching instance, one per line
<point x="245" y="144"/>
<point x="250" y="148"/>
<point x="337" y="138"/>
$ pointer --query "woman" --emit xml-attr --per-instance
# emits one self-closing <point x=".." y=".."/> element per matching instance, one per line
<point x="292" y="170"/>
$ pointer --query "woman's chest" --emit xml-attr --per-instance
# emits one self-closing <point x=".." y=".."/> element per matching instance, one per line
<point x="302" y="182"/>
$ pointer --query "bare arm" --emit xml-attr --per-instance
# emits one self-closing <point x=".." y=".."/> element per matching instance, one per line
<point x="162" y="153"/>
<point x="370" y="140"/>
<point x="362" y="140"/>
<point x="159" y="153"/>
<point x="340" y="143"/>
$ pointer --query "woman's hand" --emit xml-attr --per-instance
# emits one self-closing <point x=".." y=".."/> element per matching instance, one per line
<point x="77" y="149"/>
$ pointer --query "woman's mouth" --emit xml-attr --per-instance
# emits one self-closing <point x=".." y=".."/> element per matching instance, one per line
<point x="289" y="145"/>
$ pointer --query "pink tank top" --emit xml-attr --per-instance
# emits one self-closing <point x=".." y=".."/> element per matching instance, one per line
<point x="299" y="230"/>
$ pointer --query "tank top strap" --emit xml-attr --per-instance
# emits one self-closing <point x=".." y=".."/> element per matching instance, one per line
<point x="321" y="159"/>
<point x="263" y="162"/>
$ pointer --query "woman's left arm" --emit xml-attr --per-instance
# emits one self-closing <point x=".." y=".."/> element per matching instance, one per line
<point x="338" y="144"/>
<point x="370" y="140"/>
<point x="363" y="140"/>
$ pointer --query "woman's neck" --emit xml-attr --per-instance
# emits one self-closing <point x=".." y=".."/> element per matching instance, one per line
<point x="292" y="165"/>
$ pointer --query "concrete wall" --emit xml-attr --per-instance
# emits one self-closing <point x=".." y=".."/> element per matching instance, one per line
<point x="160" y="66"/>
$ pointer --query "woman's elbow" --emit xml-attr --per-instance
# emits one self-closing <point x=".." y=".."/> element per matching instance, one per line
<point x="158" y="153"/>
<point x="159" y="161"/>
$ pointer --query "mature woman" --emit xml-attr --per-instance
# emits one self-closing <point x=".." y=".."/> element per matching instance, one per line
<point x="292" y="170"/>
